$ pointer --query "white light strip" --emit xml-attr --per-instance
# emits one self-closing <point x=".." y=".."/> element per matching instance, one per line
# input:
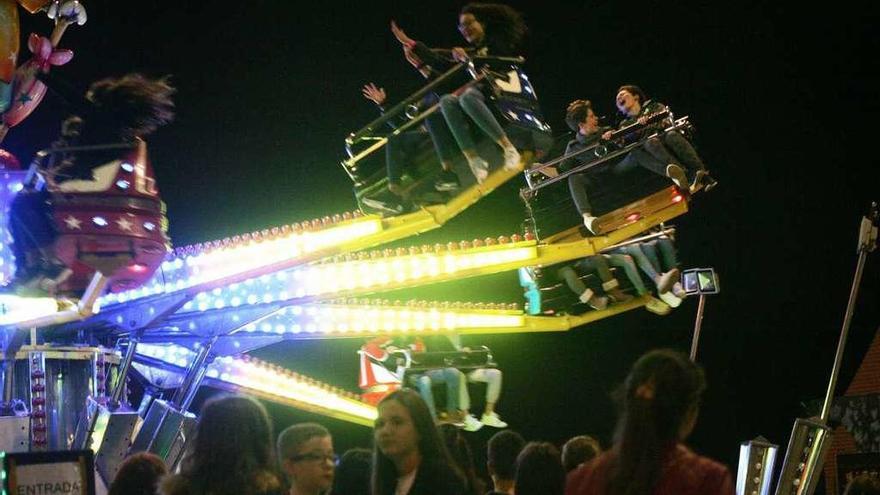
<point x="348" y="277"/>
<point x="265" y="378"/>
<point x="214" y="265"/>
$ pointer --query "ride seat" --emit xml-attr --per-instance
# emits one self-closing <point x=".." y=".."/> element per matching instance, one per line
<point x="115" y="224"/>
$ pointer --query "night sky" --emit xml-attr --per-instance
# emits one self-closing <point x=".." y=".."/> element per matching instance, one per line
<point x="782" y="99"/>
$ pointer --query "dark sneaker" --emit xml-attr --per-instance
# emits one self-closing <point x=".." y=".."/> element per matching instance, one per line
<point x="709" y="183"/>
<point x="447" y="181"/>
<point x="386" y="206"/>
<point x="704" y="181"/>
<point x="618" y="296"/>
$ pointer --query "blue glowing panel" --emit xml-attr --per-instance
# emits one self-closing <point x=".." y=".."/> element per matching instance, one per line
<point x="10" y="184"/>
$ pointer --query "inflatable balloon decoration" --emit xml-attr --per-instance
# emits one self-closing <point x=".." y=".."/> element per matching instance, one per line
<point x="27" y="90"/>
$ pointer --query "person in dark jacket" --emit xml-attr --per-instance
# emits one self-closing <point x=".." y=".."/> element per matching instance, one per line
<point x="490" y="29"/>
<point x="501" y="452"/>
<point x="578" y="450"/>
<point x="409" y="457"/>
<point x="581" y="118"/>
<point x="670" y="147"/>
<point x="539" y="470"/>
<point x="353" y="473"/>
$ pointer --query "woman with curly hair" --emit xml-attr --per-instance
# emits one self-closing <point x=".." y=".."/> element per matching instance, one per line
<point x="231" y="453"/>
<point x="115" y="116"/>
<point x="492" y="30"/>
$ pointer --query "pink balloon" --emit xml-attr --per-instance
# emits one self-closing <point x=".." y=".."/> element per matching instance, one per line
<point x="28" y="91"/>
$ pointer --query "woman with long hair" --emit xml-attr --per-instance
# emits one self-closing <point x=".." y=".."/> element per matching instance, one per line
<point x="409" y="457"/>
<point x="660" y="406"/>
<point x="491" y="29"/>
<point x="231" y="454"/>
<point x="113" y="111"/>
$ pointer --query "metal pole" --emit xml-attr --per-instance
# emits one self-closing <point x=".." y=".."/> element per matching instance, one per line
<point x="194" y="374"/>
<point x="124" y="369"/>
<point x="867" y="239"/>
<point x="699" y="323"/>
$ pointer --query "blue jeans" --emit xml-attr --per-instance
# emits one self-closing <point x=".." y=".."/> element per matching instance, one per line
<point x="472" y="104"/>
<point x="31" y="226"/>
<point x="599" y="264"/>
<point x="667" y="253"/>
<point x="453" y="380"/>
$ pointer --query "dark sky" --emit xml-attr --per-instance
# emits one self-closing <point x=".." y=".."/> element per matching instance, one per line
<point x="782" y="98"/>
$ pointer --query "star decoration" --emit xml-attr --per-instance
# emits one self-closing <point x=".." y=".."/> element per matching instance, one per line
<point x="124" y="224"/>
<point x="72" y="222"/>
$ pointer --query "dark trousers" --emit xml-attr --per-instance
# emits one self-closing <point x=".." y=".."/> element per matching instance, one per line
<point x="31" y="226"/>
<point x="577" y="185"/>
<point x="399" y="152"/>
<point x="444" y="142"/>
<point x="639" y="157"/>
<point x="672" y="147"/>
<point x="666" y="251"/>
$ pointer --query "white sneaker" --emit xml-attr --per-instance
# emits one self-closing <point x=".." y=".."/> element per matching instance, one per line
<point x="591" y="223"/>
<point x="671" y="299"/>
<point x="665" y="281"/>
<point x="512" y="159"/>
<point x="480" y="169"/>
<point x="676" y="173"/>
<point x="493" y="420"/>
<point x="471" y="423"/>
<point x="587" y="295"/>
<point x="678" y="290"/>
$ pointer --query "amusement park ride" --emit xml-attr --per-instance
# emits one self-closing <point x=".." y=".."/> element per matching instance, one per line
<point x="132" y="310"/>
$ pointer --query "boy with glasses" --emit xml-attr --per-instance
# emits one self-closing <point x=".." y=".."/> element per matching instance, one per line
<point x="305" y="451"/>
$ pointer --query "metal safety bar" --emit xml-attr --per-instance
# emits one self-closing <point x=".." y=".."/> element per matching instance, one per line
<point x="601" y="157"/>
<point x="366" y="133"/>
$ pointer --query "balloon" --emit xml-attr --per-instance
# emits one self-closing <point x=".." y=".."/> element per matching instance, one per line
<point x="28" y="90"/>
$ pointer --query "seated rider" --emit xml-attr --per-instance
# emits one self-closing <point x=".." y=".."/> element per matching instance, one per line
<point x="594" y="297"/>
<point x="666" y="276"/>
<point x="114" y="111"/>
<point x="671" y="148"/>
<point x="389" y="352"/>
<point x="398" y="154"/>
<point x="581" y="118"/>
<point x="490" y="29"/>
<point x="492" y="377"/>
